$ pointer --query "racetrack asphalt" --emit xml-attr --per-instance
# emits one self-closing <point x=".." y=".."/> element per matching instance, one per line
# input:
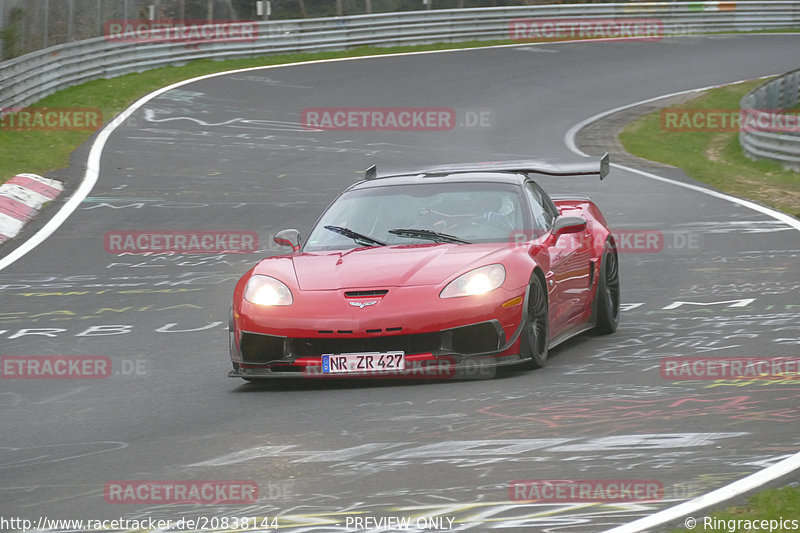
<point x="229" y="153"/>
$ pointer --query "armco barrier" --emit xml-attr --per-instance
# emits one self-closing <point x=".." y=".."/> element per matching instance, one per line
<point x="28" y="78"/>
<point x="764" y="137"/>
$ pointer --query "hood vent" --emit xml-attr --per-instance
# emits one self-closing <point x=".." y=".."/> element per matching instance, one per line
<point x="365" y="294"/>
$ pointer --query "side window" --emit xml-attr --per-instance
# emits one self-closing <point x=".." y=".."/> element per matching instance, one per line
<point x="542" y="209"/>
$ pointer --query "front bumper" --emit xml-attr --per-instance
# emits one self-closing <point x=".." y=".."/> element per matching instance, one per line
<point x="472" y="337"/>
<point x="418" y="366"/>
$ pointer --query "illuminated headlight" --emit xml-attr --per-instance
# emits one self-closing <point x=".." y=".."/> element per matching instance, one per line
<point x="264" y="290"/>
<point x="478" y="281"/>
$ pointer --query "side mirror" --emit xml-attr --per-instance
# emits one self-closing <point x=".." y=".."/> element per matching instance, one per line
<point x="288" y="237"/>
<point x="565" y="225"/>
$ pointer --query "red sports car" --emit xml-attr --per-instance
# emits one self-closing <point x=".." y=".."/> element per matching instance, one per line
<point x="428" y="273"/>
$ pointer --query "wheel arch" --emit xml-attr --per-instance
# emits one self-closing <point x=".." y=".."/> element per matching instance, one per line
<point x="538" y="273"/>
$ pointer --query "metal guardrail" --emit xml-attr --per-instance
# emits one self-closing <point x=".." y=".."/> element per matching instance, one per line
<point x="767" y="131"/>
<point x="28" y="78"/>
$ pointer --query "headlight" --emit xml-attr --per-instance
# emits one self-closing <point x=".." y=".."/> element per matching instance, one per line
<point x="264" y="290"/>
<point x="478" y="281"/>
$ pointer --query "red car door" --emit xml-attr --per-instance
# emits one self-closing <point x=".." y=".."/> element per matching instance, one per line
<point x="569" y="280"/>
<point x="569" y="259"/>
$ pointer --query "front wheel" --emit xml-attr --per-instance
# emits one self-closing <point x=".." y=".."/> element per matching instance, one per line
<point x="607" y="297"/>
<point x="534" y="336"/>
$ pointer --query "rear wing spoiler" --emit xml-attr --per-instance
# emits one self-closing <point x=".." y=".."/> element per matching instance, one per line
<point x="599" y="167"/>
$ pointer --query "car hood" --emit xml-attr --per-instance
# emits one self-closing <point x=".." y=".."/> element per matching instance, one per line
<point x="390" y="266"/>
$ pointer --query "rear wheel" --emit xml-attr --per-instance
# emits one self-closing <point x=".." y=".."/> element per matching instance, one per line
<point x="535" y="333"/>
<point x="607" y="297"/>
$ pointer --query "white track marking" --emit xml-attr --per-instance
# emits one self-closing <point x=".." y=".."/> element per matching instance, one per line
<point x="678" y="512"/>
<point x="747" y="483"/>
<point x="93" y="164"/>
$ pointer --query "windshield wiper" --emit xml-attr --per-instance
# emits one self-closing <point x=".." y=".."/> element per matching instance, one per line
<point x="360" y="239"/>
<point x="427" y="234"/>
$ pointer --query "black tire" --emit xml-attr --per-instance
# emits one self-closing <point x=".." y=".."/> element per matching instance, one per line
<point x="607" y="298"/>
<point x="535" y="333"/>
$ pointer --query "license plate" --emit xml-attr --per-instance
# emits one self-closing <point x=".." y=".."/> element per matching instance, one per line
<point x="358" y="363"/>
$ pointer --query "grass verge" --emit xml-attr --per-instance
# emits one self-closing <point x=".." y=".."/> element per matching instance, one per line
<point x="779" y="508"/>
<point x="715" y="158"/>
<point x="43" y="151"/>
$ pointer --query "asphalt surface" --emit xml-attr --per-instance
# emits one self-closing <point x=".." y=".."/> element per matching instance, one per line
<point x="229" y="153"/>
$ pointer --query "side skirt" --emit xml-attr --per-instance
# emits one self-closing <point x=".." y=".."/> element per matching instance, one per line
<point x="571" y="332"/>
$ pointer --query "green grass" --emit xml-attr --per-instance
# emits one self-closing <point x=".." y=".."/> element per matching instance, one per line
<point x="771" y="504"/>
<point x="715" y="158"/>
<point x="40" y="152"/>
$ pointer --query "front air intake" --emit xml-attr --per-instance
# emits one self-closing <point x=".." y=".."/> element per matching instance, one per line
<point x="257" y="348"/>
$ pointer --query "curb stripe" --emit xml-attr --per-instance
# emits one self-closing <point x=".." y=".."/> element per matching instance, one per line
<point x="15" y="209"/>
<point x="21" y="198"/>
<point x="9" y="226"/>
<point x="40" y="187"/>
<point x="23" y="195"/>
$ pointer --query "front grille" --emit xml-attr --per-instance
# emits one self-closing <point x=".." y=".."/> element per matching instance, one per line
<point x="473" y="339"/>
<point x="415" y="343"/>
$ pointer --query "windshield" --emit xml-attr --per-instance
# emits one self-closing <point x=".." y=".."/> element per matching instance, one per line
<point x="445" y="212"/>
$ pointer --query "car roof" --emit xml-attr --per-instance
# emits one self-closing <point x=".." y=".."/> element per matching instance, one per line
<point x="511" y="178"/>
